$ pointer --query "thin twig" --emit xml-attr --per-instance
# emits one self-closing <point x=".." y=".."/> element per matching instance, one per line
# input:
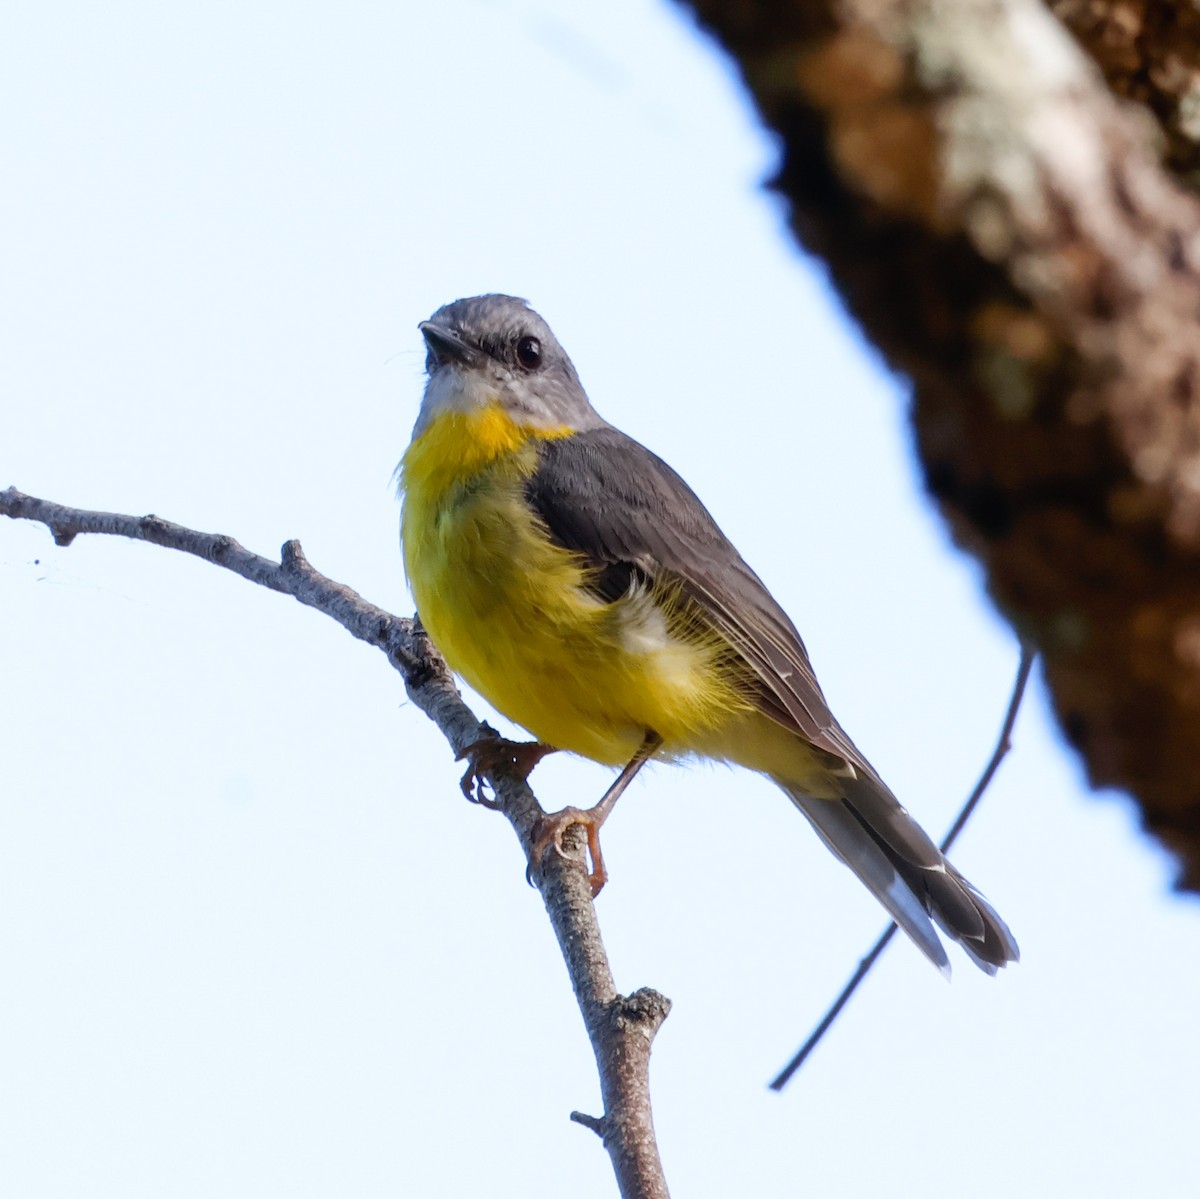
<point x="621" y="1028"/>
<point x="1003" y="745"/>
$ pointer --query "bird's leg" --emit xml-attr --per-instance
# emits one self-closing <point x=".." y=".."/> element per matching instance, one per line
<point x="550" y="828"/>
<point x="494" y="753"/>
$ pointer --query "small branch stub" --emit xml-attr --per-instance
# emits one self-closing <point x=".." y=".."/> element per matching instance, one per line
<point x="645" y="1009"/>
<point x="595" y="1123"/>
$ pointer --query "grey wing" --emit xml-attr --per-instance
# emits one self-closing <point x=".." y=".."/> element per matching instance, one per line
<point x="630" y="515"/>
<point x="603" y="495"/>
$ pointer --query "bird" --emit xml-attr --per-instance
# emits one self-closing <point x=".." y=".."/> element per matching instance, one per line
<point x="577" y="583"/>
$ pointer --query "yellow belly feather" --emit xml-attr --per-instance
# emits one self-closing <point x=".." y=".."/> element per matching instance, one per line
<point x="510" y="610"/>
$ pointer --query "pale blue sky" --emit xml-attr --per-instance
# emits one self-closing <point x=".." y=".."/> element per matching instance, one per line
<point x="252" y="940"/>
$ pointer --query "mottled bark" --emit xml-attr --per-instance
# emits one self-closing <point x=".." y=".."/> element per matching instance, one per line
<point x="1149" y="51"/>
<point x="1022" y="244"/>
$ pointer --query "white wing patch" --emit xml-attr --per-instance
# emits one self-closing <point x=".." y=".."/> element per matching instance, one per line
<point x="643" y="626"/>
<point x="675" y="662"/>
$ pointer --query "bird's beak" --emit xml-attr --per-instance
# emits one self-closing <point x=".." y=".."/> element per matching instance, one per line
<point x="447" y="346"/>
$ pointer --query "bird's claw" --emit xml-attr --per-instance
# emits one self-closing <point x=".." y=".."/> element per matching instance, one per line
<point x="491" y="754"/>
<point x="549" y="831"/>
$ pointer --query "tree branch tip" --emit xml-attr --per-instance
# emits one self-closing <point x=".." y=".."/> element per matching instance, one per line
<point x="595" y="1123"/>
<point x="292" y="555"/>
<point x="645" y="1007"/>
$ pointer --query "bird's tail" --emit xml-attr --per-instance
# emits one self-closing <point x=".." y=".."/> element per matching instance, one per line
<point x="871" y="832"/>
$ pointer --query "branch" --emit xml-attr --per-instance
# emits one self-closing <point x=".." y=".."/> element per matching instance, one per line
<point x="621" y="1028"/>
<point x="1002" y="227"/>
<point x="1003" y="745"/>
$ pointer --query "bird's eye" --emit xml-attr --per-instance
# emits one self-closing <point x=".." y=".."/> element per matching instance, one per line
<point x="529" y="353"/>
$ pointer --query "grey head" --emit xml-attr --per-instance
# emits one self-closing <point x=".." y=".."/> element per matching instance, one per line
<point x="495" y="349"/>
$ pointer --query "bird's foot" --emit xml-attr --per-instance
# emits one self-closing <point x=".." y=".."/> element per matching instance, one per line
<point x="550" y="828"/>
<point x="492" y="753"/>
<point x="549" y="832"/>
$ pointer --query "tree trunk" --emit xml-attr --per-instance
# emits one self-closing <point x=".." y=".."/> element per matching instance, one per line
<point x="1024" y="244"/>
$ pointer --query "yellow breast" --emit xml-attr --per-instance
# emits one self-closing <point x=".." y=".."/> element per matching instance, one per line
<point x="511" y="612"/>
